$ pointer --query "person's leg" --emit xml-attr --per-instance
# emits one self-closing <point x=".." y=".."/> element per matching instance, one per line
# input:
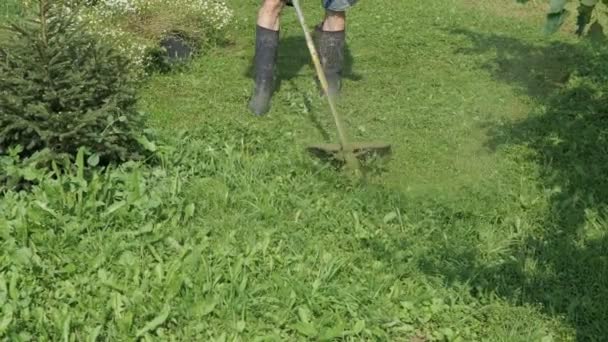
<point x="269" y="14"/>
<point x="331" y="35"/>
<point x="334" y="21"/>
<point x="266" y="47"/>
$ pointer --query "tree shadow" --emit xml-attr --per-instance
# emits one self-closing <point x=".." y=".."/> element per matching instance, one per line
<point x="564" y="266"/>
<point x="569" y="134"/>
<point x="537" y="71"/>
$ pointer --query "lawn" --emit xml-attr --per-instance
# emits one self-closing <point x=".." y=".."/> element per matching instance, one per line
<point x="488" y="223"/>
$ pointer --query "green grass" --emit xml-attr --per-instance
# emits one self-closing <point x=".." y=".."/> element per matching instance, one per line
<point x="488" y="224"/>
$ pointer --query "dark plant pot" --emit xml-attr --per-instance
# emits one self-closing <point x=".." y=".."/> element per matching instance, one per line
<point x="177" y="48"/>
<point x="173" y="51"/>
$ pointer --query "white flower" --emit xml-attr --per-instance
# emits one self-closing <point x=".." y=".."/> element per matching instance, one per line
<point x="214" y="16"/>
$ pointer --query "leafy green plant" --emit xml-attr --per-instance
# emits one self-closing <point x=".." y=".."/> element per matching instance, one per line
<point x="63" y="89"/>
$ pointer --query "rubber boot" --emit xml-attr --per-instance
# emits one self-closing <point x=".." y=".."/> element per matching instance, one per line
<point x="266" y="47"/>
<point x="331" y="54"/>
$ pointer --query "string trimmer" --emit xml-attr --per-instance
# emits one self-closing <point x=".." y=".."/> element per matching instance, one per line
<point x="344" y="151"/>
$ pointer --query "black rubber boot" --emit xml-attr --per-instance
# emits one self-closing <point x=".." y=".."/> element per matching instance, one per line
<point x="266" y="47"/>
<point x="331" y="54"/>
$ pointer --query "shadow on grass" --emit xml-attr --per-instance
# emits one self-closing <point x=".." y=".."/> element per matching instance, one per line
<point x="564" y="265"/>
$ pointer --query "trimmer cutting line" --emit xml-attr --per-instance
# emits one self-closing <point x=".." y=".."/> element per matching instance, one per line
<point x="343" y="151"/>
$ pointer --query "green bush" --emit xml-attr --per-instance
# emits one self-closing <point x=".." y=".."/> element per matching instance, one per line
<point x="62" y="89"/>
<point x="9" y="8"/>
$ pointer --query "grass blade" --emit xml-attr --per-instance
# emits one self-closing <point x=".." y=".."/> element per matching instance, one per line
<point x="156" y="322"/>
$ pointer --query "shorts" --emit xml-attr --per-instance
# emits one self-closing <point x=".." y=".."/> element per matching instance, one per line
<point x="333" y="5"/>
<point x="338" y="5"/>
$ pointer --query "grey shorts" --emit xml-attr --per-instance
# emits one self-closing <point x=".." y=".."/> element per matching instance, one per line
<point x="338" y="5"/>
<point x="333" y="5"/>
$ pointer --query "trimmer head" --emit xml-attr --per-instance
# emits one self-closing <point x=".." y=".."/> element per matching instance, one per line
<point x="359" y="150"/>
